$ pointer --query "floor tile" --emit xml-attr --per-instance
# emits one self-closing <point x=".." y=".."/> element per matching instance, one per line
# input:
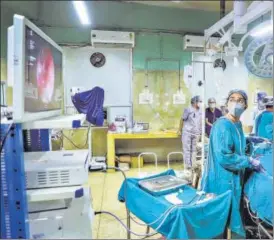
<point x="105" y="188"/>
<point x="114" y="230"/>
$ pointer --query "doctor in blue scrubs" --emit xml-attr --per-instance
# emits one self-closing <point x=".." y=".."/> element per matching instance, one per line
<point x="227" y="161"/>
<point x="264" y="121"/>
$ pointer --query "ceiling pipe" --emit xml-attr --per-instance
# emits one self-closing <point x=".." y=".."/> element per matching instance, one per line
<point x="240" y="9"/>
<point x="222" y="8"/>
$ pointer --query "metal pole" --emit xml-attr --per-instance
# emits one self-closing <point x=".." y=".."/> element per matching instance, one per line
<point x="203" y="116"/>
<point x="146" y="66"/>
<point x="131" y="88"/>
<point x="147" y="231"/>
<point x="128" y="223"/>
<point x="90" y="143"/>
<point x="222" y="8"/>
<point x="179" y="69"/>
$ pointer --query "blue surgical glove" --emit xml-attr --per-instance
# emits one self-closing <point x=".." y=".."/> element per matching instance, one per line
<point x="254" y="139"/>
<point x="256" y="164"/>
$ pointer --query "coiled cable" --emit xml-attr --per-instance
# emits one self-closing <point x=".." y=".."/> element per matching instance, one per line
<point x="164" y="215"/>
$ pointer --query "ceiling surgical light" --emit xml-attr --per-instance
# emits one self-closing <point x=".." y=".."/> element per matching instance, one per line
<point x="270" y="58"/>
<point x="81" y="11"/>
<point x="262" y="31"/>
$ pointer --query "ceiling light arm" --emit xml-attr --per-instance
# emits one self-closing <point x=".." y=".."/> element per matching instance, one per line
<point x="227" y="36"/>
<point x="223" y="31"/>
<point x="254" y="11"/>
<point x="219" y="25"/>
<point x="253" y="14"/>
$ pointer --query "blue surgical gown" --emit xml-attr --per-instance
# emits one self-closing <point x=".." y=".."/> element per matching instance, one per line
<point x="264" y="125"/>
<point x="225" y="166"/>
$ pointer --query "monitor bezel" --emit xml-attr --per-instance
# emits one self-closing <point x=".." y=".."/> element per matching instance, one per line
<point x="19" y="115"/>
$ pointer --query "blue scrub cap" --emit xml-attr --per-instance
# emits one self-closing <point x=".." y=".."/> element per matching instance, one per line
<point x="212" y="99"/>
<point x="261" y="96"/>
<point x="196" y="99"/>
<point x="268" y="101"/>
<point x="242" y="92"/>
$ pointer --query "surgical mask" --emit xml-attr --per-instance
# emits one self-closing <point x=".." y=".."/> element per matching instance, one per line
<point x="261" y="105"/>
<point x="212" y="105"/>
<point x="199" y="104"/>
<point x="235" y="109"/>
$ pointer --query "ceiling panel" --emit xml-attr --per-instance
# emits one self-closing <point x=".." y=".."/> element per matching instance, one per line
<point x="26" y="8"/>
<point x="199" y="5"/>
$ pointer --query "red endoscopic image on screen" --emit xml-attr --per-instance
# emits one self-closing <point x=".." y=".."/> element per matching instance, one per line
<point x="43" y="74"/>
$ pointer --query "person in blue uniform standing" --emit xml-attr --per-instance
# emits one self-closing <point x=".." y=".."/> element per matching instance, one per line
<point x="211" y="115"/>
<point x="227" y="161"/>
<point x="264" y="121"/>
<point x="191" y="129"/>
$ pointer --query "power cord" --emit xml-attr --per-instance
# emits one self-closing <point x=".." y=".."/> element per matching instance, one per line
<point x="136" y="234"/>
<point x="5" y="137"/>
<point x="164" y="215"/>
<point x="78" y="147"/>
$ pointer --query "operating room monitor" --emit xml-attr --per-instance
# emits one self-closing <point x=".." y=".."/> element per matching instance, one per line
<point x="38" y="84"/>
<point x="43" y="74"/>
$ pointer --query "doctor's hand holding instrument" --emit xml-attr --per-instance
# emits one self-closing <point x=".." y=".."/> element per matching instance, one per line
<point x="256" y="164"/>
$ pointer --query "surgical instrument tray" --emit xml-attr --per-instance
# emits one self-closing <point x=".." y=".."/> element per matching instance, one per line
<point x="160" y="185"/>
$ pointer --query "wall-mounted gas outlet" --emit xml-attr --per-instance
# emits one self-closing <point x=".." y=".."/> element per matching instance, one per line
<point x="146" y="97"/>
<point x="179" y="98"/>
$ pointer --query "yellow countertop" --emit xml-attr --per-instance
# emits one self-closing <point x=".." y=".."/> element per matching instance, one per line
<point x="150" y="134"/>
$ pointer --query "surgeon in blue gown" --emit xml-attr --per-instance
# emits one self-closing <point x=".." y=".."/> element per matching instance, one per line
<point x="227" y="161"/>
<point x="264" y="121"/>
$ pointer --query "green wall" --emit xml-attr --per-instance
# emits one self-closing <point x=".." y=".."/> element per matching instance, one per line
<point x="153" y="45"/>
<point x="162" y="77"/>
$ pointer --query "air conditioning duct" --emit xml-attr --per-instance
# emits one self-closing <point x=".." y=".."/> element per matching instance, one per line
<point x="112" y="39"/>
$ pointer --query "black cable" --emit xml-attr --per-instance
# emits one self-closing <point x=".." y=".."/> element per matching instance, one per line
<point x="5" y="137"/>
<point x="119" y="220"/>
<point x="150" y="235"/>
<point x="82" y="147"/>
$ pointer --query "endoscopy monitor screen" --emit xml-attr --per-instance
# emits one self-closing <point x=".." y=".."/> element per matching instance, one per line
<point x="43" y="74"/>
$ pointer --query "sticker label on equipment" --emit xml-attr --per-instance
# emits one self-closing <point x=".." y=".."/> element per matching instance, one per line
<point x="31" y="91"/>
